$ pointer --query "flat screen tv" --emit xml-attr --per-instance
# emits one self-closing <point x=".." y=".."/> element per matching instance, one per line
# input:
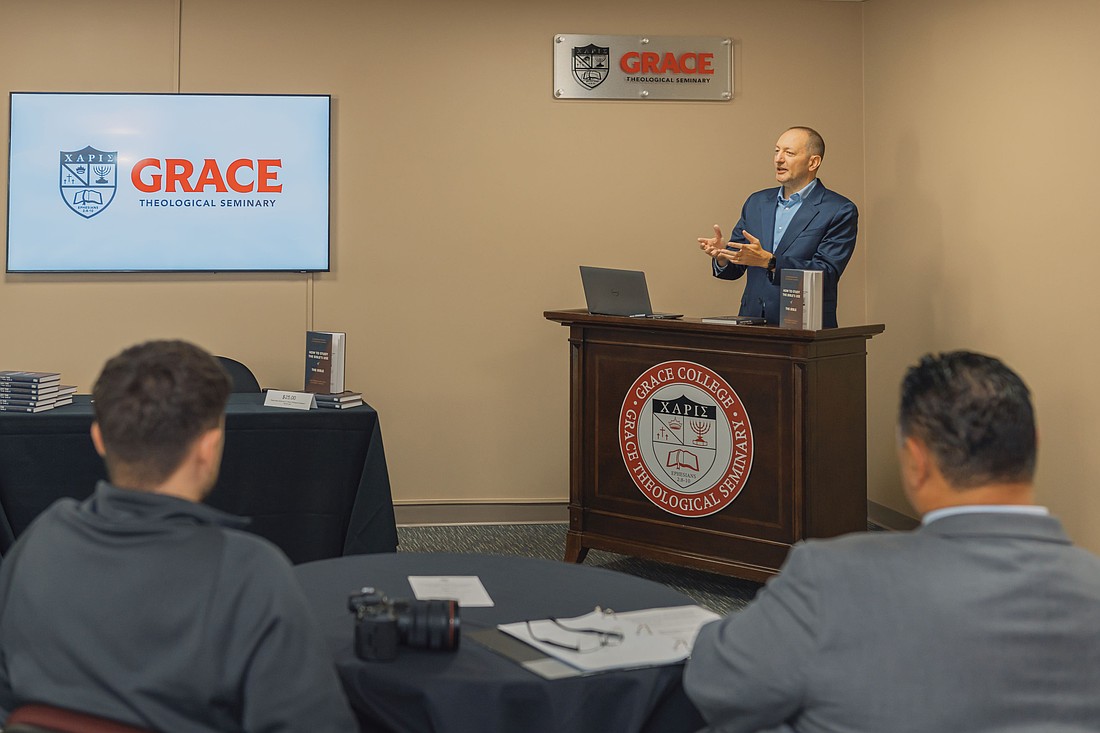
<point x="168" y="183"/>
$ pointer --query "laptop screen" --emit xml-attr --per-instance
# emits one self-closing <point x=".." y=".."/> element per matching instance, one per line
<point x="612" y="292"/>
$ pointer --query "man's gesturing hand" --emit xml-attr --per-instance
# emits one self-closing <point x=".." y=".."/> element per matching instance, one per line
<point x="716" y="247"/>
<point x="750" y="255"/>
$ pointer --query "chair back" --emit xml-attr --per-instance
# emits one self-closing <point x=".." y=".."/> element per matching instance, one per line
<point x="242" y="377"/>
<point x="40" y="718"/>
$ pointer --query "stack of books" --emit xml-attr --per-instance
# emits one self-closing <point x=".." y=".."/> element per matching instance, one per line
<point x="33" y="391"/>
<point x="340" y="400"/>
<point x="65" y="394"/>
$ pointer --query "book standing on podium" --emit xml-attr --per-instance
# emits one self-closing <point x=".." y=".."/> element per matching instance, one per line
<point x="801" y="294"/>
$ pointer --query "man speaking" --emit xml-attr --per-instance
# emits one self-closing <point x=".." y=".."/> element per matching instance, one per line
<point x="801" y="225"/>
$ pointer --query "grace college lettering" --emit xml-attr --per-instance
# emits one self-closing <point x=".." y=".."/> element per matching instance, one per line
<point x="685" y="438"/>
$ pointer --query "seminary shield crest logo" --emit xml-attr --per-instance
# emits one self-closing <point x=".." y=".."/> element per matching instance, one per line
<point x="88" y="180"/>
<point x="590" y="64"/>
<point x="685" y="438"/>
<point x="685" y="430"/>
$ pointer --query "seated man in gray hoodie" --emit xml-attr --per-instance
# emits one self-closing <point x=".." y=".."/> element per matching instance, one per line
<point x="145" y="606"/>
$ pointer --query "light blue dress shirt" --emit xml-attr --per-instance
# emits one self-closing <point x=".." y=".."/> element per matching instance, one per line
<point x="785" y="209"/>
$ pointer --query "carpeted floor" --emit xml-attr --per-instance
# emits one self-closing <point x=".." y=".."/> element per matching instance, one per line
<point x="716" y="592"/>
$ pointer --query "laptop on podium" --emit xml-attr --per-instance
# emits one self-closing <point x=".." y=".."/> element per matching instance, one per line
<point x="610" y="292"/>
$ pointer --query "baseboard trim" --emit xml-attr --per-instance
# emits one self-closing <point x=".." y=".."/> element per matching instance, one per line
<point x="409" y="515"/>
<point x="886" y="517"/>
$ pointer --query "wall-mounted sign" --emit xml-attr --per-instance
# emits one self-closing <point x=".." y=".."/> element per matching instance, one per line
<point x="637" y="67"/>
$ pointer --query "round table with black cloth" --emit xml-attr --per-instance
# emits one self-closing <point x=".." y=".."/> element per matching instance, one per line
<point x="476" y="690"/>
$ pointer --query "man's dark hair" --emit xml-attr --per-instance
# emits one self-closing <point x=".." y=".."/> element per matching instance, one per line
<point x="151" y="402"/>
<point x="975" y="416"/>
<point x="815" y="144"/>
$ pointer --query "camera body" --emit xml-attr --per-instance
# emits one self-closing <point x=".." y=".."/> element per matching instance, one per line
<point x="381" y="625"/>
<point x="375" y="626"/>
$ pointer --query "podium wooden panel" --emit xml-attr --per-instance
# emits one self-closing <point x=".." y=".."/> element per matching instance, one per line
<point x="805" y="395"/>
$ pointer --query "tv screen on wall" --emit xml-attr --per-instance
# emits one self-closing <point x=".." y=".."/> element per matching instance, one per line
<point x="168" y="183"/>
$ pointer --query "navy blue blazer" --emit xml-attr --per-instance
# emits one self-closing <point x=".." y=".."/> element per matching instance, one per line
<point x="822" y="236"/>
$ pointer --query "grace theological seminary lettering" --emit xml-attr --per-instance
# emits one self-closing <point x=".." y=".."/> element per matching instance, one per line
<point x="88" y="181"/>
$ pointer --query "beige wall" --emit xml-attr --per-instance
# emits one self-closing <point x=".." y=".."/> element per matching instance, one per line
<point x="465" y="196"/>
<point x="73" y="323"/>
<point x="980" y="120"/>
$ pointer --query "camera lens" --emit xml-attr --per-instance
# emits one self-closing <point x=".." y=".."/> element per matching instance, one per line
<point x="428" y="624"/>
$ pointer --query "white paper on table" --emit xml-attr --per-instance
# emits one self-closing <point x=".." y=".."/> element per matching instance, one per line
<point x="650" y="637"/>
<point x="466" y="589"/>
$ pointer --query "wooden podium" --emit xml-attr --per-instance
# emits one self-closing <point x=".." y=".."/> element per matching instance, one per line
<point x="713" y="446"/>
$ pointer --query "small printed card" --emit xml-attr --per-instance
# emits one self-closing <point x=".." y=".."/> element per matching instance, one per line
<point x="290" y="400"/>
<point x="466" y="589"/>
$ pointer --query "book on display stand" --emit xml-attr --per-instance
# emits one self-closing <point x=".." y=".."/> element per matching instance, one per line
<point x="324" y="362"/>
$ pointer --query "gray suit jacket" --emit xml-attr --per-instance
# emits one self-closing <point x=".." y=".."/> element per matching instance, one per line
<point x="980" y="622"/>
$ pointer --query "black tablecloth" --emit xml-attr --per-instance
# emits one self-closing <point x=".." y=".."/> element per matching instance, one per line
<point x="314" y="482"/>
<point x="475" y="690"/>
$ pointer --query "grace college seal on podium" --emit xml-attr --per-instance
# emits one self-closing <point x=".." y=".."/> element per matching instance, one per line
<point x="685" y="438"/>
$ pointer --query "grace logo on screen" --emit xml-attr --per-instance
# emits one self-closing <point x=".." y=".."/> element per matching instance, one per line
<point x="591" y="64"/>
<point x="686" y="438"/>
<point x="88" y="180"/>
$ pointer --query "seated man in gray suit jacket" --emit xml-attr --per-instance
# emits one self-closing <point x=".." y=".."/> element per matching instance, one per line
<point x="986" y="618"/>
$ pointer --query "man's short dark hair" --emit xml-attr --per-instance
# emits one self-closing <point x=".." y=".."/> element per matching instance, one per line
<point x="975" y="416"/>
<point x="151" y="402"/>
<point x="815" y="144"/>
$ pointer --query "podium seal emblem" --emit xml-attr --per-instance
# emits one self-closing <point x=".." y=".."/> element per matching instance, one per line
<point x="685" y="438"/>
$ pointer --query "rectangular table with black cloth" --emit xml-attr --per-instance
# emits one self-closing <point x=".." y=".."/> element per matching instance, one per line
<point x="313" y="482"/>
<point x="475" y="690"/>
